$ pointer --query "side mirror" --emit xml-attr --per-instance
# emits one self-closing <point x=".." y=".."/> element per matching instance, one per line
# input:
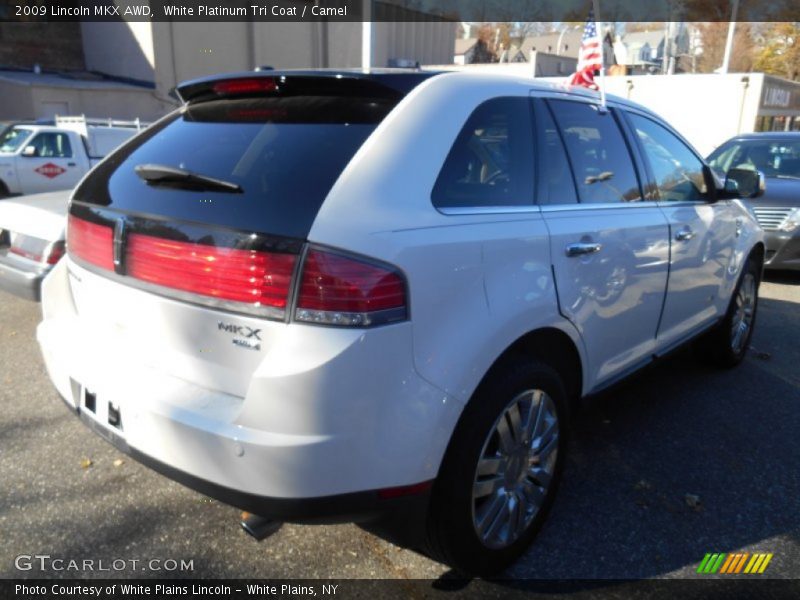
<point x="30" y="152"/>
<point x="745" y="183"/>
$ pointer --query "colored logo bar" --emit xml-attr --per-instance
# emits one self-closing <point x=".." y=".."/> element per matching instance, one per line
<point x="733" y="564"/>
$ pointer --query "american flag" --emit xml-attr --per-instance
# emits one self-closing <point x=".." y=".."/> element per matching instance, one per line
<point x="590" y="55"/>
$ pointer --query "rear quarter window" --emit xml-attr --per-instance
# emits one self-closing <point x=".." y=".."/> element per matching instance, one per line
<point x="491" y="161"/>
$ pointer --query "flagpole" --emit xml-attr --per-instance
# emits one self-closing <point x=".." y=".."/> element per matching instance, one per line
<point x="596" y="7"/>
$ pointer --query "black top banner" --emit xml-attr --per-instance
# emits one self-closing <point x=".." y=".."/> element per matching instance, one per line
<point x="396" y="10"/>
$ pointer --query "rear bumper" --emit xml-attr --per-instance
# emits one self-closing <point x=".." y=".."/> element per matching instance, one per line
<point x="22" y="281"/>
<point x="366" y="506"/>
<point x="783" y="250"/>
<point x="329" y="414"/>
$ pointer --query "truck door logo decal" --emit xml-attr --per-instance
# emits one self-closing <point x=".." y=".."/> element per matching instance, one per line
<point x="50" y="170"/>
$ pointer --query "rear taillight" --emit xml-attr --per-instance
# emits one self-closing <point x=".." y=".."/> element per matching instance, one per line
<point x="339" y="290"/>
<point x="334" y="289"/>
<point x="36" y="249"/>
<point x="56" y="252"/>
<point x="91" y="242"/>
<point x="258" y="279"/>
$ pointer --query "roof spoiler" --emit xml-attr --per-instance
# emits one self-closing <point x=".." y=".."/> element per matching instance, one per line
<point x="272" y="83"/>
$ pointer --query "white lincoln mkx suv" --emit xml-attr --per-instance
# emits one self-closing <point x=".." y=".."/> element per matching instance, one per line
<point x="332" y="295"/>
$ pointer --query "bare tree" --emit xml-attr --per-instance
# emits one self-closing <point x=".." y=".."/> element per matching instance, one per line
<point x="712" y="42"/>
<point x="531" y="28"/>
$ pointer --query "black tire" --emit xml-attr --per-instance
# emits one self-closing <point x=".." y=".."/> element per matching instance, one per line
<point x="452" y="532"/>
<point x="3" y="190"/>
<point x="719" y="346"/>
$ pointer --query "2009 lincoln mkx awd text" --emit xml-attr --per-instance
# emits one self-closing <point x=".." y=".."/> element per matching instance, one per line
<point x="333" y="295"/>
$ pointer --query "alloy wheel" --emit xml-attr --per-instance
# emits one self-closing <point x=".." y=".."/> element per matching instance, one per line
<point x="744" y="312"/>
<point x="515" y="469"/>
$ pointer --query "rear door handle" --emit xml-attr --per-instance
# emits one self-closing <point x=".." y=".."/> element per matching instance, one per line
<point x="70" y="164"/>
<point x="684" y="235"/>
<point x="582" y="248"/>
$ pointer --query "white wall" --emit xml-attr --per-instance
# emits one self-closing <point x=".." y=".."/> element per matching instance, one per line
<point x="119" y="48"/>
<point x="16" y="102"/>
<point x="124" y="103"/>
<point x="552" y="65"/>
<point x="423" y="42"/>
<point x="168" y="53"/>
<point x="705" y="109"/>
<point x="186" y="50"/>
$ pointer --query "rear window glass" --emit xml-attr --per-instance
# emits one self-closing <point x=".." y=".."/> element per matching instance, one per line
<point x="557" y="174"/>
<point x="285" y="153"/>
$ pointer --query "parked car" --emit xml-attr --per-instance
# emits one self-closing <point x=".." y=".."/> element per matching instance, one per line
<point x="32" y="226"/>
<point x="31" y="240"/>
<point x="335" y="295"/>
<point x="43" y="157"/>
<point x="777" y="155"/>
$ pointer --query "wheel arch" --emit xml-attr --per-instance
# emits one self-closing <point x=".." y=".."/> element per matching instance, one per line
<point x="560" y="352"/>
<point x="552" y="346"/>
<point x="758" y="251"/>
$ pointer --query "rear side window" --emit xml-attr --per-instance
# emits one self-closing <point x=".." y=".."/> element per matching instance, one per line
<point x="557" y="174"/>
<point x="491" y="162"/>
<point x="285" y="153"/>
<point x="600" y="158"/>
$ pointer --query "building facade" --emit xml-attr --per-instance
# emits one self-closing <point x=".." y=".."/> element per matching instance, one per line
<point x="127" y="70"/>
<point x="167" y="53"/>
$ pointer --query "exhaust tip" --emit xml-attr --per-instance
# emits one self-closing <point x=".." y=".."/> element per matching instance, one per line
<point x="258" y="527"/>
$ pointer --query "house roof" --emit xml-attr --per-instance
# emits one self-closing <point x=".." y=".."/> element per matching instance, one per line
<point x="640" y="38"/>
<point x="570" y="43"/>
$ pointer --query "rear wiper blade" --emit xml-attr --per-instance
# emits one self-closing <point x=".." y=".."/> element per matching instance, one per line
<point x="173" y="176"/>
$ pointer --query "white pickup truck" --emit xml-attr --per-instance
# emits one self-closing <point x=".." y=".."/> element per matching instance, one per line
<point x="38" y="158"/>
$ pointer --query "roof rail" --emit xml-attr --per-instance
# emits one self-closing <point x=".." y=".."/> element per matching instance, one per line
<point x="82" y="120"/>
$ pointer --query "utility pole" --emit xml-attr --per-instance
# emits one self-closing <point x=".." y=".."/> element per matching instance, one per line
<point x="674" y="32"/>
<point x="729" y="42"/>
<point x="366" y="36"/>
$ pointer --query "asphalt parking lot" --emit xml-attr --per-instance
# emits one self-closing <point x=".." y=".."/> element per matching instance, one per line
<point x="681" y="461"/>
